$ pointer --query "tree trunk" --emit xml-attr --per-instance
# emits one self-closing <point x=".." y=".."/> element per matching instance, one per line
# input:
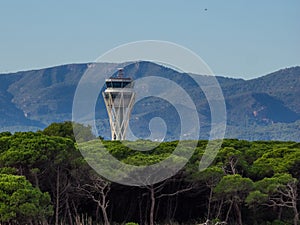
<point x="103" y="205"/>
<point x="296" y="215"/>
<point x="151" y="218"/>
<point x="238" y="213"/>
<point x="157" y="208"/>
<point x="228" y="212"/>
<point x="209" y="203"/>
<point x="57" y="197"/>
<point x="97" y="214"/>
<point x="140" y="210"/>
<point x="219" y="209"/>
<point x="105" y="217"/>
<point x="36" y="180"/>
<point x="279" y="213"/>
<point x="294" y="204"/>
<point x="69" y="212"/>
<point x="175" y="208"/>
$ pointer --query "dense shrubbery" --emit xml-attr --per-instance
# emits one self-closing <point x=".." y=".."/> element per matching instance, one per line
<point x="45" y="180"/>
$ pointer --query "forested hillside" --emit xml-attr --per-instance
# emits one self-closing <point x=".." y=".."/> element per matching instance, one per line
<point x="45" y="180"/>
<point x="265" y="108"/>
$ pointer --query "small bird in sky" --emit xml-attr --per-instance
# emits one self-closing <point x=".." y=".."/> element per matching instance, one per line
<point x="205" y="9"/>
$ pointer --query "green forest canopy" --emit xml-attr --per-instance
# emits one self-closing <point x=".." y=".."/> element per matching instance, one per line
<point x="45" y="180"/>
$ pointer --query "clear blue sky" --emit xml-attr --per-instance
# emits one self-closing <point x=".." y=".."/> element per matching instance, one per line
<point x="235" y="38"/>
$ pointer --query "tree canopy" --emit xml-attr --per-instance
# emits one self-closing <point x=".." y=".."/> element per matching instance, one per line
<point x="45" y="179"/>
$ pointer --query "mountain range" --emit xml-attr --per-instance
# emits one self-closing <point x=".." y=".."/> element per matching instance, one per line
<point x="264" y="108"/>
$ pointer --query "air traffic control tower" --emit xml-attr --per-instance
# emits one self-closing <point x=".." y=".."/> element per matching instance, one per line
<point x="119" y="99"/>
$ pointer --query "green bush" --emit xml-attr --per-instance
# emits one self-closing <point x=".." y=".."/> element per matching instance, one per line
<point x="278" y="222"/>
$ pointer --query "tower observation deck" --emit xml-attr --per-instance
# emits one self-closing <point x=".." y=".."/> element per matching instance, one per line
<point x="119" y="98"/>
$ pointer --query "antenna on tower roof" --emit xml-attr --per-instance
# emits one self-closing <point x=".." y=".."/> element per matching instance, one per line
<point x="120" y="72"/>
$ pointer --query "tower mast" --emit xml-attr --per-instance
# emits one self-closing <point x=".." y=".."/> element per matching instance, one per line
<point x="119" y="98"/>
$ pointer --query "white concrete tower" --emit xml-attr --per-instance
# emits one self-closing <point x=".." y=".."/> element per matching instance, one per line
<point x="119" y="99"/>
